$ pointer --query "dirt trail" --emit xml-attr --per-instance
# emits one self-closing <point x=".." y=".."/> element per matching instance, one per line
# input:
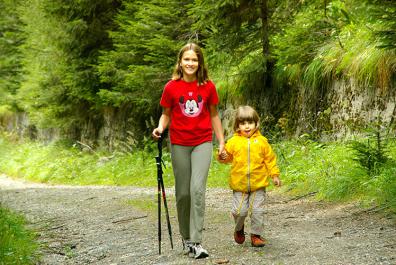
<point x="116" y="225"/>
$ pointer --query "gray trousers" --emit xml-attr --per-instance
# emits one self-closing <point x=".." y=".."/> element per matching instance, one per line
<point x="190" y="167"/>
<point x="253" y="202"/>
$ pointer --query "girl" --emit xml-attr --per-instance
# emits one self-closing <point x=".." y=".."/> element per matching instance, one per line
<point x="189" y="103"/>
<point x="253" y="164"/>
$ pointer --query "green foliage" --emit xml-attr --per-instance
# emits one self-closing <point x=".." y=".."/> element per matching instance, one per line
<point x="5" y="115"/>
<point x="382" y="187"/>
<point x="218" y="174"/>
<point x="234" y="35"/>
<point x="17" y="244"/>
<point x="72" y="165"/>
<point x="307" y="166"/>
<point x="340" y="41"/>
<point x="146" y="41"/>
<point x="371" y="152"/>
<point x="330" y="171"/>
<point x="65" y="63"/>
<point x="11" y="37"/>
<point x="387" y="25"/>
<point x="60" y="51"/>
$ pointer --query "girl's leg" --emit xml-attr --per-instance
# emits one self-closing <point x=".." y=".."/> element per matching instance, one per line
<point x="200" y="162"/>
<point x="257" y="200"/>
<point x="240" y="206"/>
<point x="181" y="163"/>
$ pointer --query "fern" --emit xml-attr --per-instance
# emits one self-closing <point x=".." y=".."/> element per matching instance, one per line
<point x="370" y="154"/>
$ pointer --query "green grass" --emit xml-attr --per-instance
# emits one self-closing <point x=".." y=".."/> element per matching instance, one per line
<point x="328" y="169"/>
<point x="17" y="244"/>
<point x="59" y="164"/>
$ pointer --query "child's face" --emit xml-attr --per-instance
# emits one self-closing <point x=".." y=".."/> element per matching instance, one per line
<point x="247" y="128"/>
<point x="189" y="64"/>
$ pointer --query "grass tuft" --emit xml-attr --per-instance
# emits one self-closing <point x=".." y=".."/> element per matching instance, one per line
<point x="17" y="244"/>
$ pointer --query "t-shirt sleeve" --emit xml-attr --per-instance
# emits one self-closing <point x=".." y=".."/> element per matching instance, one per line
<point x="213" y="97"/>
<point x="166" y="97"/>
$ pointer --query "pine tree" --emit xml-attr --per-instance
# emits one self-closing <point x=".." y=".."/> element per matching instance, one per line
<point x="61" y="49"/>
<point x="11" y="37"/>
<point x="146" y="42"/>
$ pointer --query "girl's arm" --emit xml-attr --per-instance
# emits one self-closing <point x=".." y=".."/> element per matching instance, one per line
<point x="218" y="129"/>
<point x="162" y="124"/>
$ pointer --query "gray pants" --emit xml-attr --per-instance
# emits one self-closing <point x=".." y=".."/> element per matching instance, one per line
<point x="242" y="203"/>
<point x="190" y="167"/>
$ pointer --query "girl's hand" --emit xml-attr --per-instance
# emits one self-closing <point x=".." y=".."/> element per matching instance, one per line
<point x="277" y="182"/>
<point x="157" y="133"/>
<point x="222" y="156"/>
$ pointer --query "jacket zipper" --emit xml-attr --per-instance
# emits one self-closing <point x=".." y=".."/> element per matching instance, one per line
<point x="248" y="165"/>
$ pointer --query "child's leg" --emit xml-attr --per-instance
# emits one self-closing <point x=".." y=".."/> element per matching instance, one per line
<point x="257" y="200"/>
<point x="240" y="206"/>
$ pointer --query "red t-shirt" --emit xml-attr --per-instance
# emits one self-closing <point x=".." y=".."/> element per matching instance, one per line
<point x="190" y="118"/>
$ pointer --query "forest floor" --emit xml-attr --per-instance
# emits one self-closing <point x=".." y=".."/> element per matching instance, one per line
<point x="118" y="225"/>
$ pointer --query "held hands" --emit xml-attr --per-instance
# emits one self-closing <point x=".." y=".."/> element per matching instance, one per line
<point x="221" y="154"/>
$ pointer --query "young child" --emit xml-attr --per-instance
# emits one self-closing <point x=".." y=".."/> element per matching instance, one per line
<point x="253" y="164"/>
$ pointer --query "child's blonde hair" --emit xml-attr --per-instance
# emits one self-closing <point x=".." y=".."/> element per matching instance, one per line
<point x="245" y="113"/>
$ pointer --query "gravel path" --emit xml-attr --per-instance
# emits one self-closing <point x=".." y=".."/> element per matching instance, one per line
<point x="118" y="225"/>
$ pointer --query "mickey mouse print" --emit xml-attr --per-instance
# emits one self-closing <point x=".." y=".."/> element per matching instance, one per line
<point x="191" y="107"/>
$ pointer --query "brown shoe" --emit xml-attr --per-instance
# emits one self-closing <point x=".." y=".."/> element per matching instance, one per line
<point x="239" y="236"/>
<point x="257" y="241"/>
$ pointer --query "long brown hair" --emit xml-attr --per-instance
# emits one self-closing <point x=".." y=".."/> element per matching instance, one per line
<point x="202" y="72"/>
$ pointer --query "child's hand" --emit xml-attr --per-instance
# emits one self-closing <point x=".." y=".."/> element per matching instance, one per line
<point x="223" y="155"/>
<point x="277" y="182"/>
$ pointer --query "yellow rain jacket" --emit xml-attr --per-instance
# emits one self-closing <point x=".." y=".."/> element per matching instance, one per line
<point x="253" y="162"/>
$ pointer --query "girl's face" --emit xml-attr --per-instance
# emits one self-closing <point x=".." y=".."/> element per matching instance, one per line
<point x="189" y="64"/>
<point x="247" y="128"/>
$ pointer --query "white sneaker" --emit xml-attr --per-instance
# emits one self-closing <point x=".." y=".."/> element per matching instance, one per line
<point x="198" y="252"/>
<point x="187" y="247"/>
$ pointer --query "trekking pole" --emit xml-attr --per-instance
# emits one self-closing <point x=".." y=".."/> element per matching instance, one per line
<point x="161" y="189"/>
<point x="159" y="169"/>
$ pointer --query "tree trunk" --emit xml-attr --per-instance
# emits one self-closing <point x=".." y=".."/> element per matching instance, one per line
<point x="264" y="28"/>
<point x="265" y="43"/>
